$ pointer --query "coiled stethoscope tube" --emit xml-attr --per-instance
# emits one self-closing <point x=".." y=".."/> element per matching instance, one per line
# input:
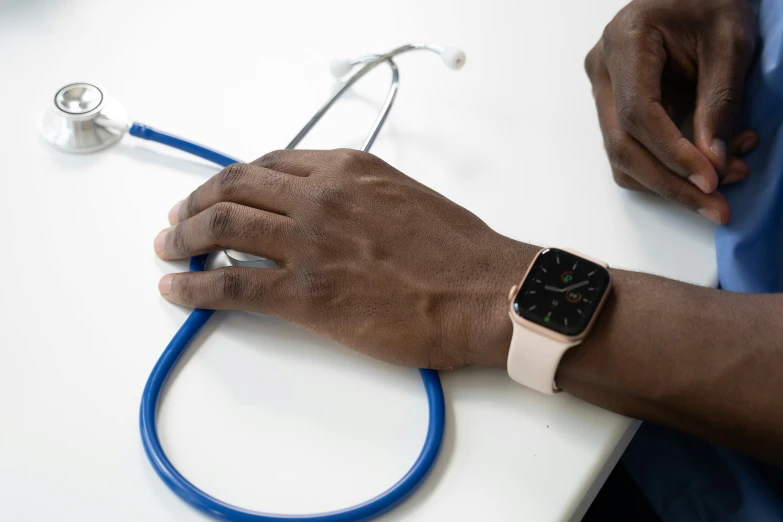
<point x="92" y="130"/>
<point x="214" y="507"/>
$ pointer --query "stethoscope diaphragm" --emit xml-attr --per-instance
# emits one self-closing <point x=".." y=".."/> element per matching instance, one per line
<point x="83" y="119"/>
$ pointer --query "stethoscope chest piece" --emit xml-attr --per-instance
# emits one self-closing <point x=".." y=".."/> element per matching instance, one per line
<point x="83" y="119"/>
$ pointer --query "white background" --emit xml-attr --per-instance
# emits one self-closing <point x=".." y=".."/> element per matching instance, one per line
<point x="265" y="415"/>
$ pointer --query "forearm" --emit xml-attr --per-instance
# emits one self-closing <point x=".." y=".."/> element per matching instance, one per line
<point x="700" y="360"/>
<point x="354" y="268"/>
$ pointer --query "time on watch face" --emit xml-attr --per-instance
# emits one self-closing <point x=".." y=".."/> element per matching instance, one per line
<point x="561" y="292"/>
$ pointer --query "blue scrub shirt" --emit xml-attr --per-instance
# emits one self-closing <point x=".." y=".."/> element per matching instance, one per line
<point x="686" y="479"/>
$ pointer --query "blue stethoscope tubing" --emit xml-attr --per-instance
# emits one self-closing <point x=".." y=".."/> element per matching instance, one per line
<point x="176" y="348"/>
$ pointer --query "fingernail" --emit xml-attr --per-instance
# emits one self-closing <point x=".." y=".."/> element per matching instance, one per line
<point x="165" y="285"/>
<point x="174" y="214"/>
<point x="747" y="145"/>
<point x="719" y="149"/>
<point x="738" y="169"/>
<point x="710" y="214"/>
<point x="700" y="181"/>
<point x="160" y="241"/>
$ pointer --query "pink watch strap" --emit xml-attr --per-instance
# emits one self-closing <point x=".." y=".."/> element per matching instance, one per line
<point x="533" y="359"/>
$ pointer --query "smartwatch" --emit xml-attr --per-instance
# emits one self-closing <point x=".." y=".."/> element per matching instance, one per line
<point x="552" y="310"/>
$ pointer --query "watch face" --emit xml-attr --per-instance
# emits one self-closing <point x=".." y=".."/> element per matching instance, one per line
<point x="561" y="292"/>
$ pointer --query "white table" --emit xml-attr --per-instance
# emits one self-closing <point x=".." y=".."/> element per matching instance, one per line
<point x="265" y="415"/>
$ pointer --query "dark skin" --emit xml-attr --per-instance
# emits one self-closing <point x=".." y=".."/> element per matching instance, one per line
<point x="657" y="62"/>
<point x="356" y="263"/>
<point x="384" y="265"/>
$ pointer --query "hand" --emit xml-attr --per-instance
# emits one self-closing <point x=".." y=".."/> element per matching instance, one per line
<point x="366" y="256"/>
<point x="658" y="61"/>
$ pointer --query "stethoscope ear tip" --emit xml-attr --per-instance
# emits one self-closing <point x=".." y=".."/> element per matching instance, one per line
<point x="82" y="119"/>
<point x="453" y="58"/>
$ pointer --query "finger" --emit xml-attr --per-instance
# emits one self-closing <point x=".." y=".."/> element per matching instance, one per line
<point x="656" y="177"/>
<point x="635" y="65"/>
<point x="262" y="290"/>
<point x="742" y="143"/>
<point x="294" y="162"/>
<point x="627" y="182"/>
<point x="244" y="184"/>
<point x="736" y="170"/>
<point x="629" y="159"/>
<point x="227" y="226"/>
<point x="723" y="63"/>
<point x="602" y="92"/>
<point x="604" y="100"/>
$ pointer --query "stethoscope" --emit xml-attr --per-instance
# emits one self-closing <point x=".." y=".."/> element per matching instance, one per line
<point x="84" y="119"/>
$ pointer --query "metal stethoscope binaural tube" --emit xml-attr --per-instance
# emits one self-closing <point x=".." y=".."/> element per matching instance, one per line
<point x="84" y="119"/>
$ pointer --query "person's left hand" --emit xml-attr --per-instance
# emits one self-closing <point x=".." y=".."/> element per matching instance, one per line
<point x="657" y="62"/>
<point x="366" y="256"/>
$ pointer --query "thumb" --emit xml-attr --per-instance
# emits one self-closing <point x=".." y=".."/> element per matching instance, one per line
<point x="719" y="92"/>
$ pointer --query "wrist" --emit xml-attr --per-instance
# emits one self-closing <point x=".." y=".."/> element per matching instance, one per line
<point x="488" y="326"/>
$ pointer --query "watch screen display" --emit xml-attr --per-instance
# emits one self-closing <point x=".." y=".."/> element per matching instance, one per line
<point x="561" y="292"/>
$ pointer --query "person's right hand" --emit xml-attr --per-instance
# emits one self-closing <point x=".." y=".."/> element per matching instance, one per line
<point x="366" y="256"/>
<point x="657" y="62"/>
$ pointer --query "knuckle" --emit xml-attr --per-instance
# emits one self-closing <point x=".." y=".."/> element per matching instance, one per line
<point x="617" y="31"/>
<point x="741" y="37"/>
<point x="744" y="42"/>
<point x="629" y="112"/>
<point x="178" y="240"/>
<point x="670" y="191"/>
<point x="622" y="179"/>
<point x="194" y="203"/>
<point x="609" y="36"/>
<point x="630" y="26"/>
<point x="229" y="285"/>
<point x="184" y="289"/>
<point x="724" y="98"/>
<point x="328" y="195"/>
<point x="618" y="151"/>
<point x="349" y="160"/>
<point x="221" y="220"/>
<point x="231" y="179"/>
<point x="270" y="159"/>
<point x="348" y="153"/>
<point x="190" y="206"/>
<point x="643" y="38"/>
<point x="591" y="62"/>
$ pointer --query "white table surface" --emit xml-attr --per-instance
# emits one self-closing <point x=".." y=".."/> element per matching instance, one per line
<point x="266" y="415"/>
